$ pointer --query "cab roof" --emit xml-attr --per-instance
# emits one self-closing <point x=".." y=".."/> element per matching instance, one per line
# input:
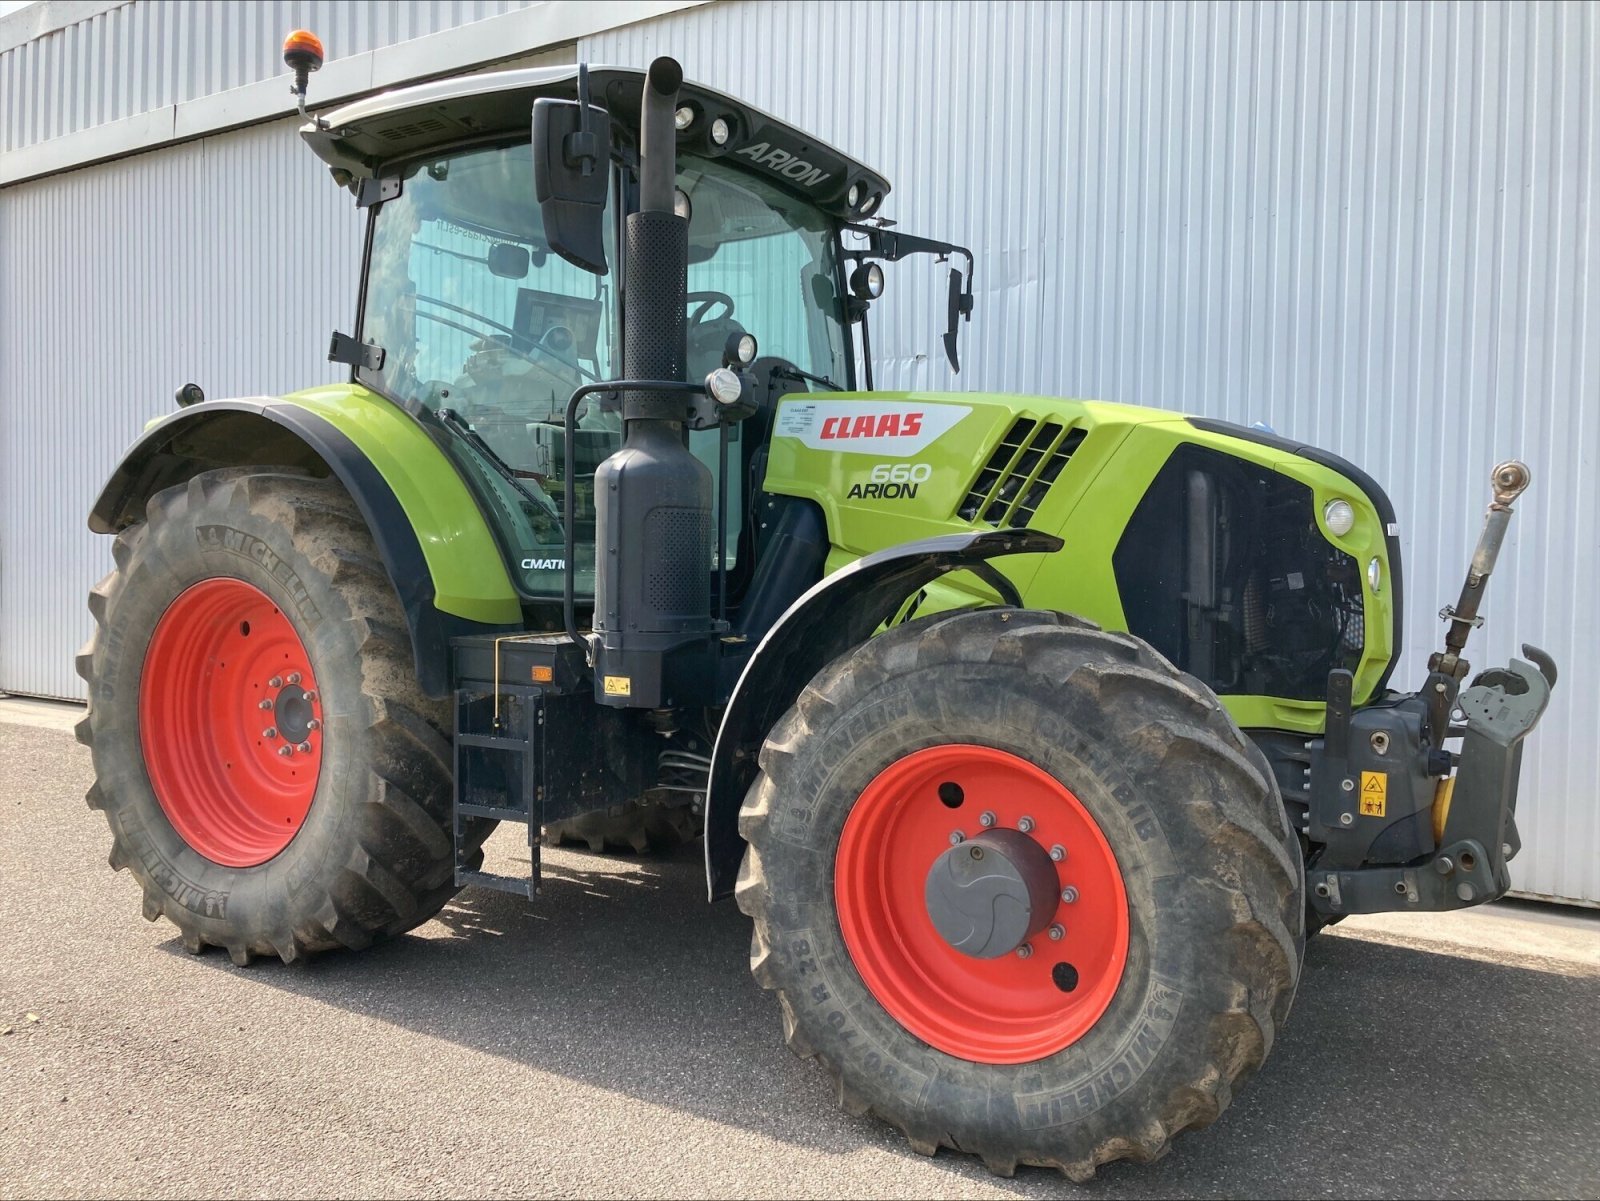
<point x="358" y="139"/>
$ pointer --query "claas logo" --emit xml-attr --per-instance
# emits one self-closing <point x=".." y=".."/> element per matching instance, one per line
<point x="883" y="425"/>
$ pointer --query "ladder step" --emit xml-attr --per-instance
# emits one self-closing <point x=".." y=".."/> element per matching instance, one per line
<point x="496" y="812"/>
<point x="491" y="740"/>
<point x="523" y="888"/>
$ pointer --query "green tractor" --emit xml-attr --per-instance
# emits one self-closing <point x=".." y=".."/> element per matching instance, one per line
<point x="1033" y="735"/>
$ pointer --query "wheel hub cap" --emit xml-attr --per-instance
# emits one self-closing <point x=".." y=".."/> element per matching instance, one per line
<point x="988" y="896"/>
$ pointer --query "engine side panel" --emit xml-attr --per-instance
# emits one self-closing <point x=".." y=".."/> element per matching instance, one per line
<point x="890" y="467"/>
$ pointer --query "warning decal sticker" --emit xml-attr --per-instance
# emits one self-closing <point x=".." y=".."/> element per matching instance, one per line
<point x="1374" y="793"/>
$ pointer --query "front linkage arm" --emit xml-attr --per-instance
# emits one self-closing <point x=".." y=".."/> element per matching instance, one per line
<point x="1396" y="829"/>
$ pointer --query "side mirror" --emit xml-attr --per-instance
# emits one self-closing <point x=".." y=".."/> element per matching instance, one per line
<point x="958" y="305"/>
<point x="508" y="260"/>
<point x="571" y="175"/>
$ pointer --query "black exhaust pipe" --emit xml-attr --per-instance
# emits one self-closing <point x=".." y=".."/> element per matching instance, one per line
<point x="653" y="499"/>
<point x="657" y="252"/>
<point x="658" y="140"/>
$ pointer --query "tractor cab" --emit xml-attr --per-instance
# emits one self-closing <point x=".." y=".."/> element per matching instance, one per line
<point x="478" y="318"/>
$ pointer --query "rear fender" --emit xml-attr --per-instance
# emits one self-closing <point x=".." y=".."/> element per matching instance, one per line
<point x="837" y="613"/>
<point x="435" y="544"/>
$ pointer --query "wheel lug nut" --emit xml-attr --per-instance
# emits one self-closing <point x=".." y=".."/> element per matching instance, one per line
<point x="1025" y="825"/>
<point x="270" y="732"/>
<point x="275" y="682"/>
<point x="1056" y="931"/>
<point x="1024" y="951"/>
<point x="313" y="724"/>
<point x="305" y="748"/>
<point x="987" y="819"/>
<point x="1058" y="852"/>
<point x="294" y="677"/>
<point x="286" y="749"/>
<point x="957" y="838"/>
<point x="263" y="703"/>
<point x="310" y="696"/>
<point x="1069" y="894"/>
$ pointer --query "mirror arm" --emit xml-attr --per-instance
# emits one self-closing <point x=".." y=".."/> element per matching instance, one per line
<point x="892" y="246"/>
<point x="580" y="149"/>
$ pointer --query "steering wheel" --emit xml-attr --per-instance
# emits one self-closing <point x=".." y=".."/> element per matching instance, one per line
<point x="704" y="302"/>
<point x="546" y="351"/>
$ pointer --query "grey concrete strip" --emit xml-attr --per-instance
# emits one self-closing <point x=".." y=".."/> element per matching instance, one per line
<point x="46" y="715"/>
<point x="1561" y="934"/>
<point x="611" y="1043"/>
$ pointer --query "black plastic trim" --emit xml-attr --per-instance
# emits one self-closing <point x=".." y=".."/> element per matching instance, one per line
<point x="839" y="612"/>
<point x="1364" y="483"/>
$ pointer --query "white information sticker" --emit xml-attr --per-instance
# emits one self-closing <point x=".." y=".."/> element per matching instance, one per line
<point x="893" y="428"/>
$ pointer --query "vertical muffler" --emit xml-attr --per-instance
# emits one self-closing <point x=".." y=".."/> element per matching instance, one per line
<point x="653" y="499"/>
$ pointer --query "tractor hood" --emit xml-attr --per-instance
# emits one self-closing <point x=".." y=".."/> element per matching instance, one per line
<point x="357" y="139"/>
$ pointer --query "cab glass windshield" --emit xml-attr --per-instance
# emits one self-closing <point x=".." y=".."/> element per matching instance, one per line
<point x="480" y="322"/>
<point x="761" y="262"/>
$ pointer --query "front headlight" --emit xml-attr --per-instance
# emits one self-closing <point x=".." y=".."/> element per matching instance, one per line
<point x="1341" y="518"/>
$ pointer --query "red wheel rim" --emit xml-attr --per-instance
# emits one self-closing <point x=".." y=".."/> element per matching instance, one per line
<point x="227" y="686"/>
<point x="1009" y="1009"/>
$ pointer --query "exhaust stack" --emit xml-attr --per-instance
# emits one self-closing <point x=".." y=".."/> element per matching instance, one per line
<point x="653" y="499"/>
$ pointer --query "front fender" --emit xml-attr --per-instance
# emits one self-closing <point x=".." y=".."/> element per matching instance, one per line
<point x="836" y="614"/>
<point x="438" y="549"/>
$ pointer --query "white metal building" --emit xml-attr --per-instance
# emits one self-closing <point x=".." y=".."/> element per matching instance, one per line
<point x="1375" y="226"/>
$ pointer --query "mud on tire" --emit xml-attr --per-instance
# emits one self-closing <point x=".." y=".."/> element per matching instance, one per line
<point x="373" y="856"/>
<point x="1213" y="879"/>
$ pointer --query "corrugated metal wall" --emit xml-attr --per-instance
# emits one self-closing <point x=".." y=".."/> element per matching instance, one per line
<point x="156" y="53"/>
<point x="225" y="261"/>
<point x="1373" y="226"/>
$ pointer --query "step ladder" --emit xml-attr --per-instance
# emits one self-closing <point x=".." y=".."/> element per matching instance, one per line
<point x="498" y="746"/>
<point x="531" y="746"/>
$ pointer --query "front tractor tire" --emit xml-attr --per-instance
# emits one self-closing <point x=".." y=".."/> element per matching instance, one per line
<point x="272" y="773"/>
<point x="1023" y="889"/>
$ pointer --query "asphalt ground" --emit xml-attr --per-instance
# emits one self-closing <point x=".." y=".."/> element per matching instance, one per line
<point x="611" y="1042"/>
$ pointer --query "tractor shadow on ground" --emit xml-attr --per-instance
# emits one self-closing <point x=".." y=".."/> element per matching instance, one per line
<point x="621" y="977"/>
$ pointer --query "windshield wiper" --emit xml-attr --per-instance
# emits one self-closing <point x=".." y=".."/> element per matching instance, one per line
<point x="457" y="424"/>
<point x="789" y="372"/>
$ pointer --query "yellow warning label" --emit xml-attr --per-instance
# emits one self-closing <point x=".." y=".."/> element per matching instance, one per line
<point x="1374" y="793"/>
<point x="619" y="686"/>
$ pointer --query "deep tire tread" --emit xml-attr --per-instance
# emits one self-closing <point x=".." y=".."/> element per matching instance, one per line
<point x="404" y="871"/>
<point x="1129" y="681"/>
<point x="637" y="830"/>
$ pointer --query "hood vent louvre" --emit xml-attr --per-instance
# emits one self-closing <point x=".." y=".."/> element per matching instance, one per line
<point x="1018" y="475"/>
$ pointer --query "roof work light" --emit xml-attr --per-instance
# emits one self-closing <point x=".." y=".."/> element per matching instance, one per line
<point x="302" y="52"/>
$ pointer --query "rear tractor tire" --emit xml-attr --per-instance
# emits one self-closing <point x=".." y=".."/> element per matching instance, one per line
<point x="273" y="775"/>
<point x="1021" y="887"/>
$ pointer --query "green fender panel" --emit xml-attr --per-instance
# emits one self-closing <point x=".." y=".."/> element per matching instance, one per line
<point x="468" y="572"/>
